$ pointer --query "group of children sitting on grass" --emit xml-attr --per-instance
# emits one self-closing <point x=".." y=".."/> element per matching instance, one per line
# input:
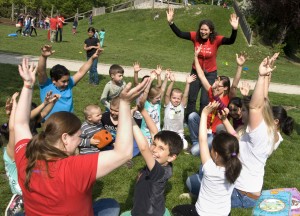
<point x="48" y="175"/>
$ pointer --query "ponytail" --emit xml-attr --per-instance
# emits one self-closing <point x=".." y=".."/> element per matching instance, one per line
<point x="41" y="149"/>
<point x="227" y="146"/>
<point x="286" y="123"/>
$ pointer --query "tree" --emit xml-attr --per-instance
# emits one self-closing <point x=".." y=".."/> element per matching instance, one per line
<point x="277" y="20"/>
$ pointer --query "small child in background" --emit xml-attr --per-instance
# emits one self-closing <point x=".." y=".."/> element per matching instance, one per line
<point x="89" y="127"/>
<point x="96" y="35"/>
<point x="101" y="36"/>
<point x="91" y="45"/>
<point x="113" y="88"/>
<point x="175" y="102"/>
<point x="221" y="168"/>
<point x="149" y="197"/>
<point x="152" y="100"/>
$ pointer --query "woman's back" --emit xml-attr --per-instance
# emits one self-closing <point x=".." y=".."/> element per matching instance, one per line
<point x="68" y="190"/>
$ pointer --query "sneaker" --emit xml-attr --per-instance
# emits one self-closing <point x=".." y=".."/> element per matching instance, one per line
<point x="15" y="205"/>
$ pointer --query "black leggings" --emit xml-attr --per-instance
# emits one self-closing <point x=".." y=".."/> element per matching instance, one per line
<point x="185" y="210"/>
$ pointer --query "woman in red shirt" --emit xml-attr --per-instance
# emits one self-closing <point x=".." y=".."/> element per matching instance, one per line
<point x="210" y="41"/>
<point x="55" y="181"/>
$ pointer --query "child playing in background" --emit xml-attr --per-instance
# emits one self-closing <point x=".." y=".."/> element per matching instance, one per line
<point x="152" y="180"/>
<point x="113" y="88"/>
<point x="152" y="99"/>
<point x="175" y="102"/>
<point x="221" y="167"/>
<point x="90" y="46"/>
<point x="89" y="127"/>
<point x="101" y="36"/>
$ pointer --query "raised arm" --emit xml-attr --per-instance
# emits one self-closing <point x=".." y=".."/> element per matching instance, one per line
<point x="169" y="89"/>
<point x="170" y="18"/>
<point x="189" y="79"/>
<point x="136" y="70"/>
<point x="258" y="98"/>
<point x="122" y="152"/>
<point x="199" y="70"/>
<point x="204" y="150"/>
<point x="141" y="139"/>
<point x="46" y="51"/>
<point x="11" y="124"/>
<point x="86" y="66"/>
<point x="22" y="117"/>
<point x="50" y="104"/>
<point x="223" y="116"/>
<point x="158" y="73"/>
<point x="146" y="92"/>
<point x="240" y="60"/>
<point x="165" y="82"/>
<point x="234" y="22"/>
<point x="268" y="81"/>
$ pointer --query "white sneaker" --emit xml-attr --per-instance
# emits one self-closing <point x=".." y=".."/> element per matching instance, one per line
<point x="15" y="205"/>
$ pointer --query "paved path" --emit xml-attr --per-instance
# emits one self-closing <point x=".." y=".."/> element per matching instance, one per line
<point x="73" y="65"/>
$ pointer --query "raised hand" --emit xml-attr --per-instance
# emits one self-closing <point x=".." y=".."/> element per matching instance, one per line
<point x="158" y="70"/>
<point x="191" y="78"/>
<point x="97" y="53"/>
<point x="47" y="51"/>
<point x="245" y="88"/>
<point x="234" y="21"/>
<point x="198" y="50"/>
<point x="222" y="114"/>
<point x="153" y="75"/>
<point x="171" y="76"/>
<point x="9" y="103"/>
<point x="128" y="94"/>
<point x="27" y="72"/>
<point x="170" y="14"/>
<point x="241" y="58"/>
<point x="210" y="107"/>
<point x="136" y="67"/>
<point x="266" y="66"/>
<point x="274" y="58"/>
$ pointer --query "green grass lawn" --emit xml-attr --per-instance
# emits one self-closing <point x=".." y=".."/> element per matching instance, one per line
<point x="282" y="168"/>
<point x="134" y="36"/>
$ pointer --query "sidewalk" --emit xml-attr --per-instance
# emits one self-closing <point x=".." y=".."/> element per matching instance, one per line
<point x="103" y="69"/>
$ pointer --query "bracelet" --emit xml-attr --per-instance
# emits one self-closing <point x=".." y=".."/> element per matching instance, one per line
<point x="28" y="86"/>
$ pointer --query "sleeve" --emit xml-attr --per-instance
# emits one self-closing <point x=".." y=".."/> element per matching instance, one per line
<point x="104" y="96"/>
<point x="178" y="33"/>
<point x="231" y="40"/>
<point x="85" y="139"/>
<point x="82" y="170"/>
<point x="157" y="172"/>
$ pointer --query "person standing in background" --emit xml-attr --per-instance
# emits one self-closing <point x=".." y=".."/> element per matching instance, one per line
<point x="60" y="24"/>
<point x="53" y="28"/>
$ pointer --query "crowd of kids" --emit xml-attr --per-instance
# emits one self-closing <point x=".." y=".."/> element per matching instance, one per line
<point x="233" y="136"/>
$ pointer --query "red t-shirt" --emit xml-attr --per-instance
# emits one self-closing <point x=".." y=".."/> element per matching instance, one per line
<point x="208" y="54"/>
<point x="60" y="21"/>
<point x="53" y="23"/>
<point x="213" y="120"/>
<point x="67" y="192"/>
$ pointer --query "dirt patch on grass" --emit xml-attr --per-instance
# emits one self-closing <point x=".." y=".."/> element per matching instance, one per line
<point x="6" y="21"/>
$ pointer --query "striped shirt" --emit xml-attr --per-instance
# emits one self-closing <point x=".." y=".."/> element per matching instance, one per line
<point x="87" y="132"/>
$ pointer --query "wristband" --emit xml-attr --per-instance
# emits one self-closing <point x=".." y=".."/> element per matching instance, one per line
<point x="29" y="86"/>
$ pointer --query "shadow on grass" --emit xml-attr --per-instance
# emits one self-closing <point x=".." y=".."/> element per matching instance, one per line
<point x="297" y="128"/>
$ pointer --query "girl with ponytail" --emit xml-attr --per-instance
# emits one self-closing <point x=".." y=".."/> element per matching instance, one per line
<point x="221" y="168"/>
<point x="283" y="123"/>
<point x="53" y="179"/>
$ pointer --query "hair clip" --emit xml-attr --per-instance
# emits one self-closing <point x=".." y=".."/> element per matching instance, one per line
<point x="233" y="154"/>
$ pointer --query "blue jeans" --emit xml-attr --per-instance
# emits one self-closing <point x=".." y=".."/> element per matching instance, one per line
<point x="106" y="207"/>
<point x="193" y="182"/>
<point x="193" y="124"/>
<point x="195" y="87"/>
<point x="239" y="200"/>
<point x="93" y="75"/>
